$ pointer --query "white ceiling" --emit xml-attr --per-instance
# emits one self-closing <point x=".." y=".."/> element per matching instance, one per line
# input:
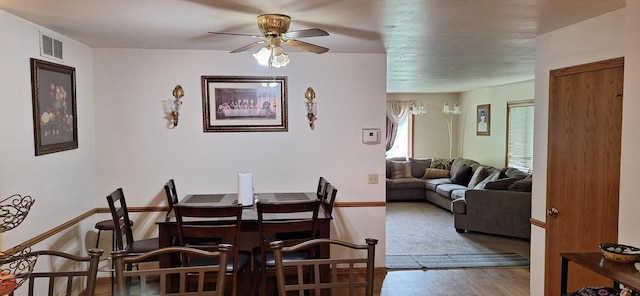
<point x="431" y="45"/>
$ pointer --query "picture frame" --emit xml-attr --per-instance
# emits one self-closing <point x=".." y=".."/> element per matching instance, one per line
<point x="483" y="120"/>
<point x="244" y="103"/>
<point x="55" y="118"/>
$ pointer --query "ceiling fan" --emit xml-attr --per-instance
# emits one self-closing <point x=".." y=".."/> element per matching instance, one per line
<point x="275" y="31"/>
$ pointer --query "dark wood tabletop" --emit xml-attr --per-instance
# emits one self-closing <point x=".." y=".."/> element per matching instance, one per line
<point x="623" y="273"/>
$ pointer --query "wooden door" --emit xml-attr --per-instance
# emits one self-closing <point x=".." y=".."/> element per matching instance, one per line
<point x="583" y="166"/>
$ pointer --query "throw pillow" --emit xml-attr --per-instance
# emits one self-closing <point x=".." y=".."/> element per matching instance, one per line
<point x="418" y="165"/>
<point x="523" y="185"/>
<point x="492" y="177"/>
<point x="441" y="163"/>
<point x="480" y="174"/>
<point x="463" y="175"/>
<point x="389" y="160"/>
<point x="500" y="184"/>
<point x="400" y="169"/>
<point x="430" y="173"/>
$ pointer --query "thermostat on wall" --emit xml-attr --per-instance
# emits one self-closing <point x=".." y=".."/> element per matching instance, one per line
<point x="370" y="136"/>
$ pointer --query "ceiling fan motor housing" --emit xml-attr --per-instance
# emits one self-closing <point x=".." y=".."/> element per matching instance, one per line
<point x="274" y="24"/>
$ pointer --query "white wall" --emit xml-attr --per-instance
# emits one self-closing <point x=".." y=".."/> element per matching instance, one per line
<point x="62" y="183"/>
<point x="592" y="40"/>
<point x="431" y="136"/>
<point x="491" y="149"/>
<point x="136" y="151"/>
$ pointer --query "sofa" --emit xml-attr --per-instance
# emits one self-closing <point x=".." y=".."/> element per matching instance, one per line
<point x="473" y="192"/>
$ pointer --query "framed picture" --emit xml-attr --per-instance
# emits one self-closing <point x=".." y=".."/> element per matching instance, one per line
<point x="483" y="120"/>
<point x="55" y="123"/>
<point x="244" y="104"/>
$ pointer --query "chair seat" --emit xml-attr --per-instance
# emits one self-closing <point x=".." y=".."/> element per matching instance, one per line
<point x="143" y="246"/>
<point x="271" y="261"/>
<point x="108" y="225"/>
<point x="244" y="258"/>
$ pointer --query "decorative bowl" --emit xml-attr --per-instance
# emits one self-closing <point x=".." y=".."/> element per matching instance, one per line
<point x="620" y="253"/>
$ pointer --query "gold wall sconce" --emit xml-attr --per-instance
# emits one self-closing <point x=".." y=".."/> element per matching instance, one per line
<point x="312" y="109"/>
<point x="174" y="108"/>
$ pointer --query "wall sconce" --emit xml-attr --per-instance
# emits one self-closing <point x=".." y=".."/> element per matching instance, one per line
<point x="311" y="106"/>
<point x="178" y="93"/>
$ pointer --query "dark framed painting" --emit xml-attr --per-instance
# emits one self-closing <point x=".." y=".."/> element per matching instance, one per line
<point x="244" y="103"/>
<point x="483" y="120"/>
<point x="55" y="123"/>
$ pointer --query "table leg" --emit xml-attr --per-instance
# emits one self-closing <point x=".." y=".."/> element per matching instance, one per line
<point x="563" y="276"/>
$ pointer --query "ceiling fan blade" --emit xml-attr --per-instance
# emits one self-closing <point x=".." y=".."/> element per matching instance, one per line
<point x="307" y="46"/>
<point x="248" y="46"/>
<point x="236" y="34"/>
<point x="314" y="32"/>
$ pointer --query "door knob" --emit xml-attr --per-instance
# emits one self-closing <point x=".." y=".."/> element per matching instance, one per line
<point x="553" y="212"/>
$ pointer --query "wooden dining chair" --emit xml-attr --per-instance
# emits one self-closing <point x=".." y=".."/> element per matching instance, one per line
<point x="329" y="198"/>
<point x="68" y="275"/>
<point x="162" y="281"/>
<point x="344" y="273"/>
<point x="322" y="186"/>
<point x="124" y="233"/>
<point x="172" y="194"/>
<point x="270" y="225"/>
<point x="205" y="226"/>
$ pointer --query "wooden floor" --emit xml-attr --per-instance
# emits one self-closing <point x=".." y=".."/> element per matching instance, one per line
<point x="435" y="282"/>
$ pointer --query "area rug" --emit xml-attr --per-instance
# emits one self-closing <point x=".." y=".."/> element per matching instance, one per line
<point x="421" y="235"/>
<point x="455" y="261"/>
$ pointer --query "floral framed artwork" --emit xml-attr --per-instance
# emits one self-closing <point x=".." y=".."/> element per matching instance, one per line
<point x="244" y="104"/>
<point x="483" y="120"/>
<point x="53" y="90"/>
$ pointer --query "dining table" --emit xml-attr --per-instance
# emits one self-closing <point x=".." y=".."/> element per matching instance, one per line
<point x="167" y="226"/>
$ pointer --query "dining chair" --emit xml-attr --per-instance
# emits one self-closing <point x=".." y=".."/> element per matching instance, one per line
<point x="124" y="233"/>
<point x="205" y="226"/>
<point x="162" y="281"/>
<point x="172" y="194"/>
<point x="322" y="185"/>
<point x="344" y="273"/>
<point x="270" y="224"/>
<point x="329" y="198"/>
<point x="69" y="274"/>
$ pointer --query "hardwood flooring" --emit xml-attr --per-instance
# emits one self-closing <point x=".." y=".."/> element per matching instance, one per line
<point x="434" y="282"/>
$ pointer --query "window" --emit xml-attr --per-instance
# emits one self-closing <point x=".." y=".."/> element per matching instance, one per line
<point x="520" y="135"/>
<point x="402" y="145"/>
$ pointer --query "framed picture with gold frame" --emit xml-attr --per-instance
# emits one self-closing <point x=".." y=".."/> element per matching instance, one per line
<point x="244" y="104"/>
<point x="483" y="120"/>
<point x="55" y="123"/>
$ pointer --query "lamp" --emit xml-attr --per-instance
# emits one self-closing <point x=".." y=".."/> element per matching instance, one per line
<point x="272" y="55"/>
<point x="447" y="112"/>
<point x="178" y="93"/>
<point x="312" y="108"/>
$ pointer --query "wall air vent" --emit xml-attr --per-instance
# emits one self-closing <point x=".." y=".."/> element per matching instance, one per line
<point x="50" y="47"/>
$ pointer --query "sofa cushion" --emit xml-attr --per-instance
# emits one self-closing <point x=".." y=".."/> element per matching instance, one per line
<point x="463" y="175"/>
<point x="523" y="185"/>
<point x="441" y="163"/>
<point x="431" y="184"/>
<point x="408" y="183"/>
<point x="493" y="176"/>
<point x="500" y="184"/>
<point x="479" y="174"/>
<point x="391" y="184"/>
<point x="446" y="189"/>
<point x="430" y="173"/>
<point x="419" y="165"/>
<point x="458" y="193"/>
<point x="510" y="172"/>
<point x="389" y="160"/>
<point x="400" y="169"/>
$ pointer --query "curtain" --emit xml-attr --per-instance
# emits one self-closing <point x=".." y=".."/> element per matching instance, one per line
<point x="396" y="112"/>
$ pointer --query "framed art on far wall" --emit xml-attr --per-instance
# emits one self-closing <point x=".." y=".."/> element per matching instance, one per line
<point x="244" y="103"/>
<point x="483" y="120"/>
<point x="53" y="91"/>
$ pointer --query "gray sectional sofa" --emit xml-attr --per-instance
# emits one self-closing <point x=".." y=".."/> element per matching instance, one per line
<point x="481" y="198"/>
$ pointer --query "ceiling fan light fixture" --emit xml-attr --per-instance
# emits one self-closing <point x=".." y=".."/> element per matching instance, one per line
<point x="263" y="56"/>
<point x="278" y="57"/>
